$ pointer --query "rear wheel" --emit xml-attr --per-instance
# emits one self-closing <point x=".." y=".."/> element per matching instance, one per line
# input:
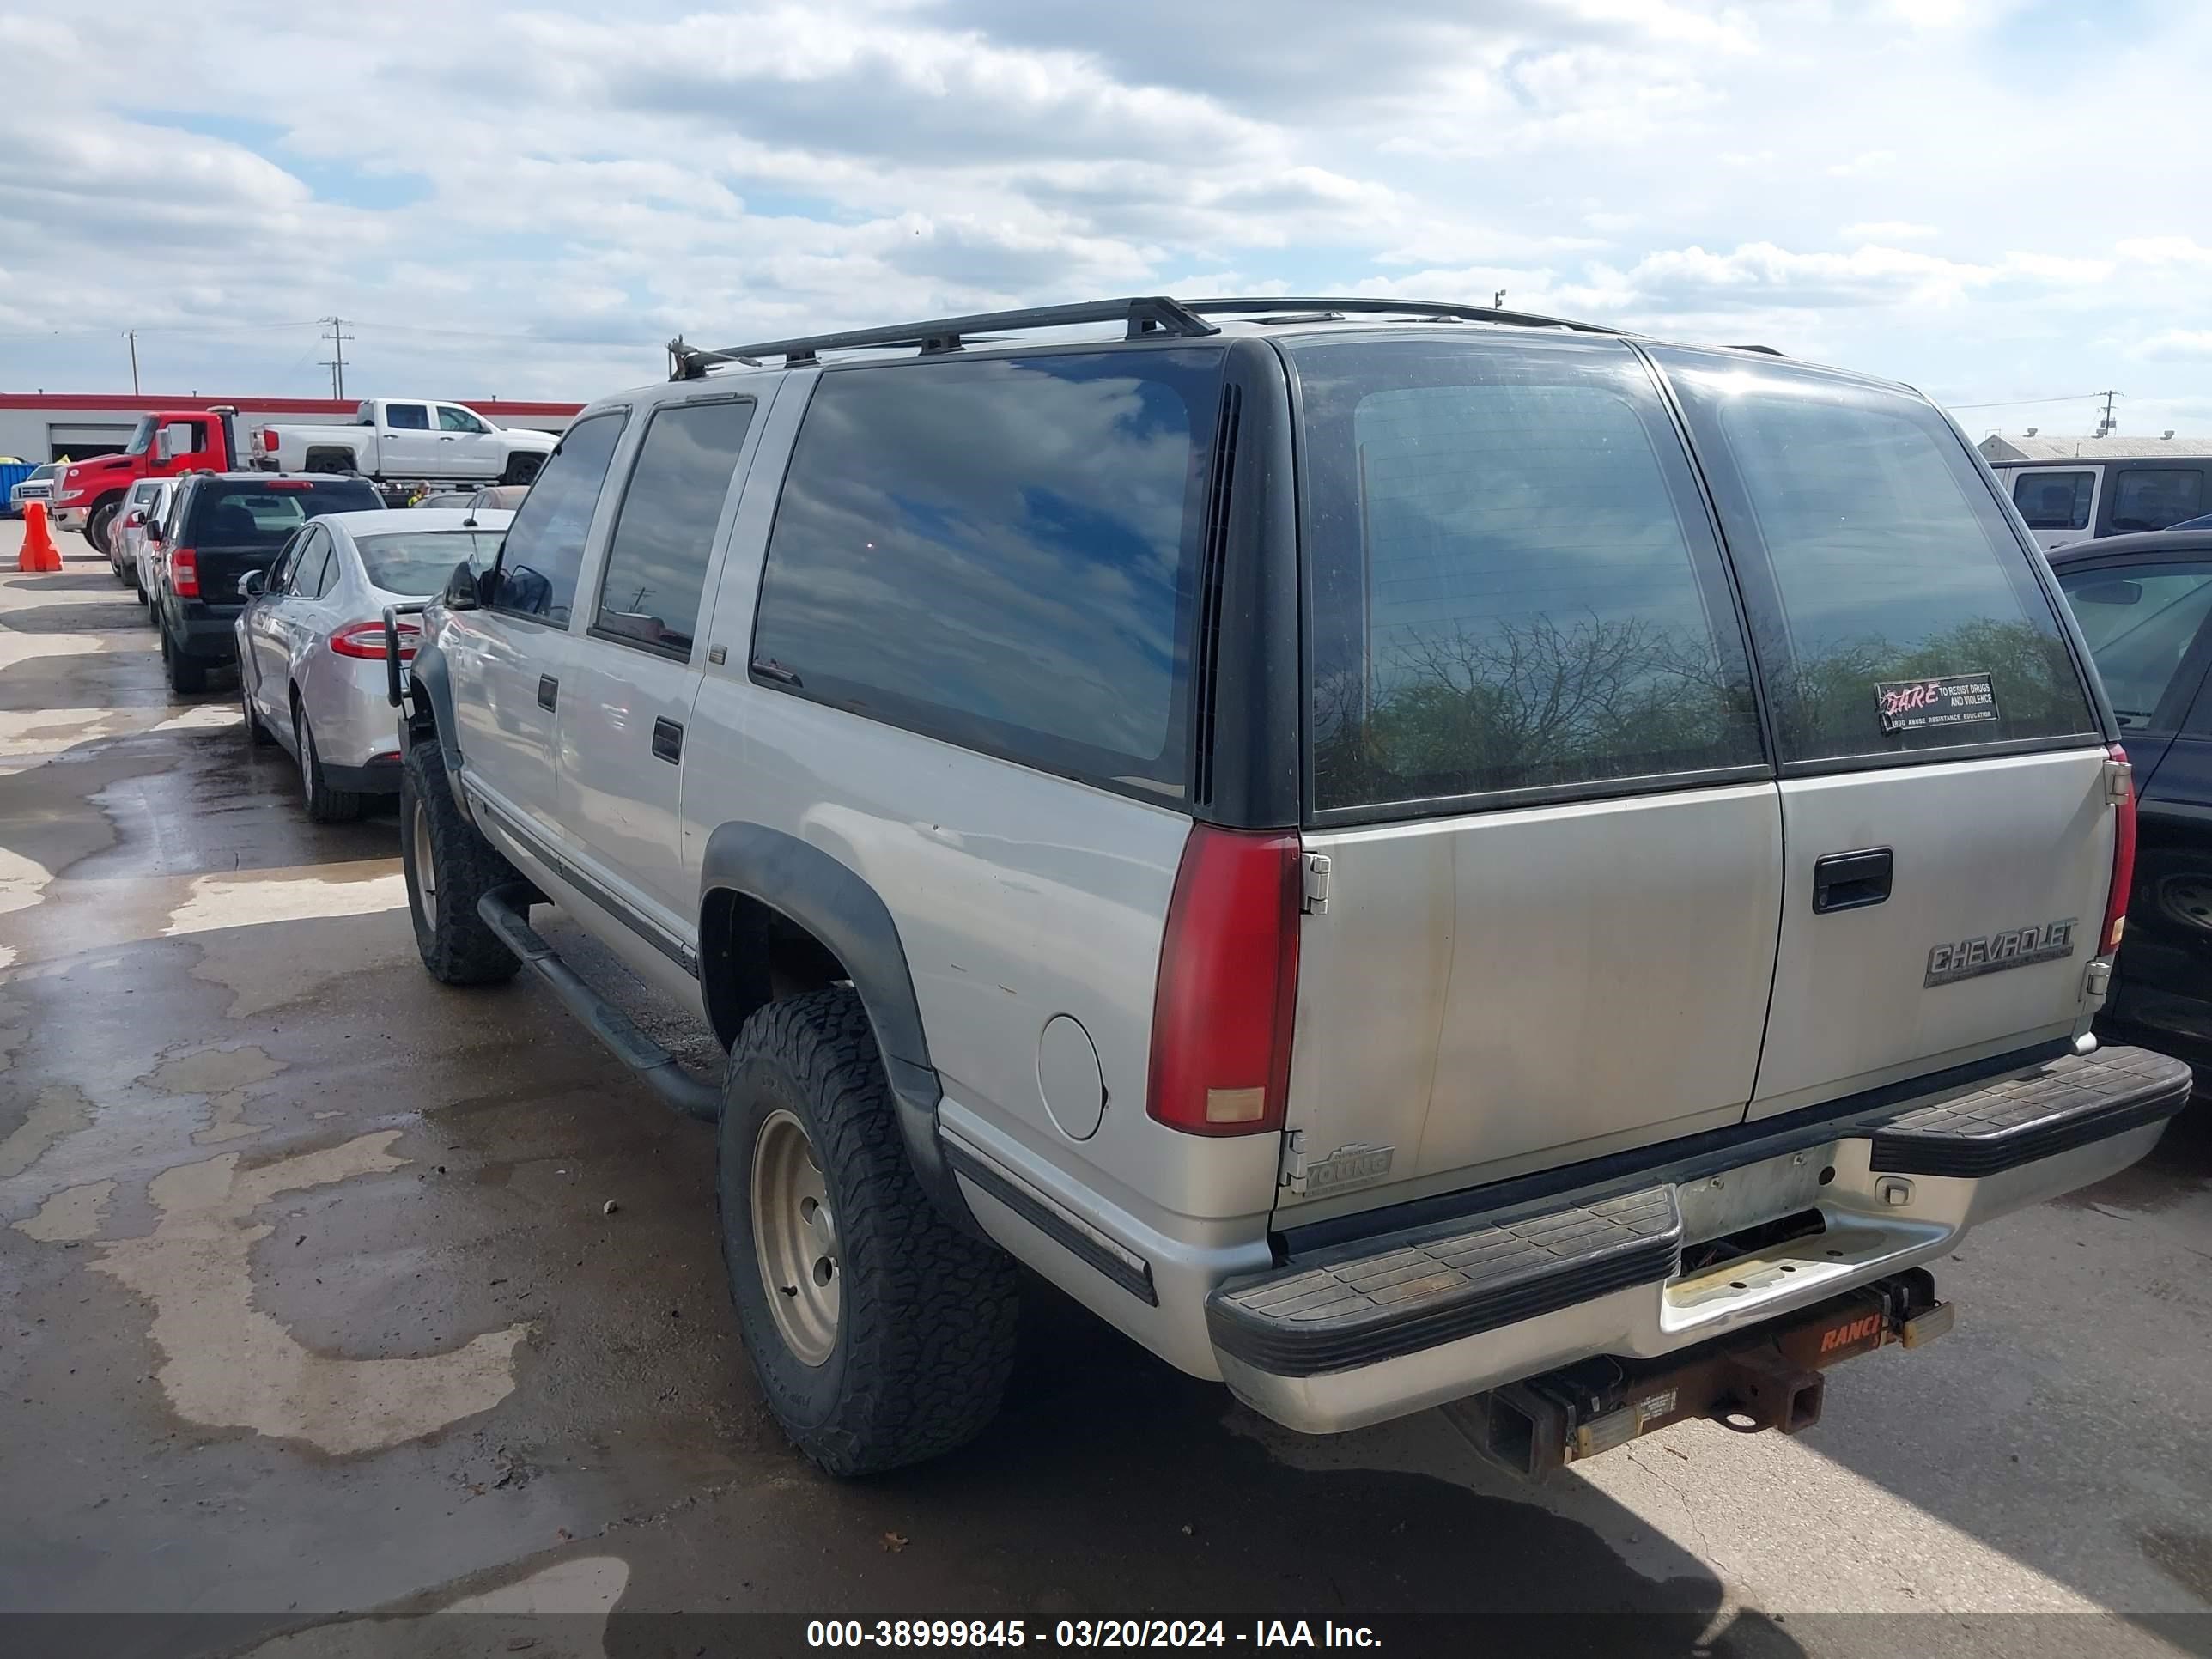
<point x="187" y="677"/>
<point x="325" y="804"/>
<point x="521" y="469"/>
<point x="449" y="865"/>
<point x="882" y="1334"/>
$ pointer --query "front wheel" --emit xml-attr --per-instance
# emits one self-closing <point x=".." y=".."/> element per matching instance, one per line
<point x="882" y="1334"/>
<point x="98" y="527"/>
<point x="448" y="866"/>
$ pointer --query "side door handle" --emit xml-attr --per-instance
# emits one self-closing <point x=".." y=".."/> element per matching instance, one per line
<point x="548" y="691"/>
<point x="1852" y="881"/>
<point x="667" y="740"/>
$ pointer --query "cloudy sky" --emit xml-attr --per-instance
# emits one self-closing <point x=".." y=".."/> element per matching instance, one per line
<point x="1999" y="200"/>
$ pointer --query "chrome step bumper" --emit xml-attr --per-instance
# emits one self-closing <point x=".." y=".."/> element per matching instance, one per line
<point x="1372" y="1328"/>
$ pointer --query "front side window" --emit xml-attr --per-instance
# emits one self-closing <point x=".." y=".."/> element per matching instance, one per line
<point x="2156" y="498"/>
<point x="999" y="552"/>
<point x="2140" y="623"/>
<point x="407" y="417"/>
<point x="311" y="580"/>
<point x="1893" y="609"/>
<point x="545" y="543"/>
<point x="457" y="420"/>
<point x="1512" y="585"/>
<point x="287" y="561"/>
<point x="664" y="533"/>
<point x="2054" y="501"/>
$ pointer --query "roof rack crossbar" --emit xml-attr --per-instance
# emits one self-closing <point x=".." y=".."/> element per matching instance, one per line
<point x="1145" y="315"/>
<point x="1436" y="310"/>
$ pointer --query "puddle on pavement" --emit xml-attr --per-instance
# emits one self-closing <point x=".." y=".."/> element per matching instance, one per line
<point x="61" y="1111"/>
<point x="227" y="1364"/>
<point x="68" y="1217"/>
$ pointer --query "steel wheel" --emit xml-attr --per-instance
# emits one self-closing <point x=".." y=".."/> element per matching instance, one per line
<point x="795" y="1239"/>
<point x="2188" y="899"/>
<point x="426" y="867"/>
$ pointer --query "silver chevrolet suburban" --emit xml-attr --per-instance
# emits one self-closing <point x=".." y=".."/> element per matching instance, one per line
<point x="1403" y="854"/>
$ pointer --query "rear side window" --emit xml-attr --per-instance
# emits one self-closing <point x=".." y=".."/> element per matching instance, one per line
<point x="2054" y="501"/>
<point x="2140" y="624"/>
<point x="1512" y="583"/>
<point x="422" y="560"/>
<point x="239" y="514"/>
<point x="407" y="417"/>
<point x="1893" y="609"/>
<point x="545" y="543"/>
<point x="2156" y="498"/>
<point x="999" y="553"/>
<point x="657" y="559"/>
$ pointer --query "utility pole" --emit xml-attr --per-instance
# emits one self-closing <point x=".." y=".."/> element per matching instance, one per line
<point x="335" y="362"/>
<point x="2110" y="424"/>
<point x="132" y="335"/>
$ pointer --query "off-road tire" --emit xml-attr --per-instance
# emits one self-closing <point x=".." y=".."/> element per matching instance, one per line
<point x="522" y="469"/>
<point x="98" y="527"/>
<point x="187" y="676"/>
<point x="457" y="948"/>
<point x="926" y="1325"/>
<point x="325" y="804"/>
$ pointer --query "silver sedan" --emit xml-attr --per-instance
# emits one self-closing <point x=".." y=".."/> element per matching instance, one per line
<point x="311" y="669"/>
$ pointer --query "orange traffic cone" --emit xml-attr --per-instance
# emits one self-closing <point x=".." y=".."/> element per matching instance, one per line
<point x="38" y="551"/>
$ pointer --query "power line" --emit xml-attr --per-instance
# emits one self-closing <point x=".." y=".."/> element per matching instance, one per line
<point x="2016" y="402"/>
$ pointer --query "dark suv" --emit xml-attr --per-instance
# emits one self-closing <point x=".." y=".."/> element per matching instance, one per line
<point x="221" y="525"/>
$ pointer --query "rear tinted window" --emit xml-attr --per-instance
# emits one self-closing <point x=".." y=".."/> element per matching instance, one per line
<point x="1892" y="608"/>
<point x="2155" y="498"/>
<point x="241" y="514"/>
<point x="1513" y="585"/>
<point x="422" y="560"/>
<point x="2140" y="623"/>
<point x="2054" y="501"/>
<point x="999" y="552"/>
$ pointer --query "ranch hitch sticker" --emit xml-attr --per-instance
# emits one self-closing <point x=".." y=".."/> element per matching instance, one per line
<point x="1941" y="700"/>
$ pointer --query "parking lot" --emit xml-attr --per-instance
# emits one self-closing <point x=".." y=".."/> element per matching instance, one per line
<point x="326" y="1290"/>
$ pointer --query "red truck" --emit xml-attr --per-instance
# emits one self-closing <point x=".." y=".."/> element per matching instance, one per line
<point x="168" y="443"/>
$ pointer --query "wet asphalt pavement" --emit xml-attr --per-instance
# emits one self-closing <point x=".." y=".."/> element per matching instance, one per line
<point x="309" y="1306"/>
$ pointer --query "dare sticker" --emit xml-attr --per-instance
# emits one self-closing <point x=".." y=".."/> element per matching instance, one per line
<point x="1941" y="700"/>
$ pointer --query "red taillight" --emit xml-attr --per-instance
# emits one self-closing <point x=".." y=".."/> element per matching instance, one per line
<point x="2124" y="860"/>
<point x="285" y="483"/>
<point x="269" y="439"/>
<point x="1228" y="985"/>
<point x="185" y="572"/>
<point x="365" y="639"/>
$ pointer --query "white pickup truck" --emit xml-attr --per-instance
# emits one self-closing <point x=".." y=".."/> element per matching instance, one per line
<point x="407" y="438"/>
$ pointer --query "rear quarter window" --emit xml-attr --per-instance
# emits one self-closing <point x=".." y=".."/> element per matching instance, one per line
<point x="1894" y="610"/>
<point x="1001" y="553"/>
<point x="1512" y="583"/>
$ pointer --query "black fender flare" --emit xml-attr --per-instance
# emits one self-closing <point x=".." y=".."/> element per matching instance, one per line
<point x="428" y="712"/>
<point x="825" y="896"/>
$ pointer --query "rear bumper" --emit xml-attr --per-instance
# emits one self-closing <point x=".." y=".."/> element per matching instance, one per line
<point x="205" y="635"/>
<point x="1373" y="1329"/>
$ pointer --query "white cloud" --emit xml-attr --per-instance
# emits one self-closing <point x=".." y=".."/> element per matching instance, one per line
<point x="1888" y="230"/>
<point x="2176" y="344"/>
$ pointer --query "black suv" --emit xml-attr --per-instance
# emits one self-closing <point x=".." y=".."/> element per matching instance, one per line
<point x="221" y="525"/>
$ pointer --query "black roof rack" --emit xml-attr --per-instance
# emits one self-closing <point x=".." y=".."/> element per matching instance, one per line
<point x="1429" y="310"/>
<point x="1147" y="315"/>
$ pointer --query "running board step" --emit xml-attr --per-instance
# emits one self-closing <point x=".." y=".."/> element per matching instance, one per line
<point x="506" y="911"/>
<point x="2059" y="1105"/>
<point x="1408" y="1291"/>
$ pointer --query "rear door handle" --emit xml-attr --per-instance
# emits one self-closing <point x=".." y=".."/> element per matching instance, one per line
<point x="668" y="740"/>
<point x="1852" y="881"/>
<point x="548" y="691"/>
